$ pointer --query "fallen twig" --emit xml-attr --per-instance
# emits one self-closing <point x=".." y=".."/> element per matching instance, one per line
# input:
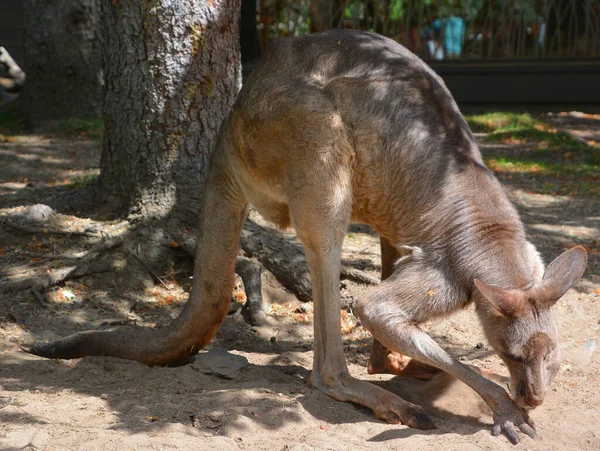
<point x="118" y="322"/>
<point x="347" y="272"/>
<point x="150" y="270"/>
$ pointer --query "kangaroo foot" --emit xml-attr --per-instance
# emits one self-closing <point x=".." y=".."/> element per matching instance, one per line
<point x="386" y="405"/>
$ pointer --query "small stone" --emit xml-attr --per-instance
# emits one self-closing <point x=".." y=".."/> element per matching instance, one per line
<point x="33" y="213"/>
<point x="218" y="416"/>
<point x="583" y="354"/>
<point x="273" y="339"/>
<point x="479" y="345"/>
<point x="104" y="396"/>
<point x="220" y="363"/>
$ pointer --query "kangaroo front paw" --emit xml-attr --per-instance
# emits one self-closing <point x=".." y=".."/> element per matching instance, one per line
<point x="395" y="410"/>
<point x="509" y="415"/>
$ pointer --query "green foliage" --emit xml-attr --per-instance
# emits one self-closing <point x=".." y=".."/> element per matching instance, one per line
<point x="517" y="128"/>
<point x="501" y="121"/>
<point x="543" y="138"/>
<point x="579" y="176"/>
<point x="81" y="182"/>
<point x="92" y="128"/>
<point x="493" y="28"/>
<point x="10" y="122"/>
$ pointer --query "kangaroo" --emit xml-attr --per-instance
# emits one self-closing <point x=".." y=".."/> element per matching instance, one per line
<point x="345" y="126"/>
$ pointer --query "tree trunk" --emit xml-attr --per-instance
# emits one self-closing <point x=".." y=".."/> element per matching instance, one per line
<point x="62" y="60"/>
<point x="172" y="71"/>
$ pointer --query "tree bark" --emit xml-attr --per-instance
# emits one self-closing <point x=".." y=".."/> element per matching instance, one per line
<point x="172" y="71"/>
<point x="62" y="60"/>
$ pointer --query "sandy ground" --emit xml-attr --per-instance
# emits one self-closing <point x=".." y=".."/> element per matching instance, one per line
<point x="109" y="404"/>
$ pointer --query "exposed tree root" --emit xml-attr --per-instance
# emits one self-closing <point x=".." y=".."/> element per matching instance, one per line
<point x="39" y="296"/>
<point x="34" y="230"/>
<point x="253" y="310"/>
<point x="285" y="259"/>
<point x="104" y="246"/>
<point x="281" y="255"/>
<point x="53" y="277"/>
<point x="39" y="281"/>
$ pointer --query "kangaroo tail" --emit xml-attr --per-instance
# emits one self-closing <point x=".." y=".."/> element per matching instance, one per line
<point x="222" y="214"/>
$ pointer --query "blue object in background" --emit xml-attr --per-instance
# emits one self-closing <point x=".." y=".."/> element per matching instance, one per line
<point x="436" y="27"/>
<point x="454" y="35"/>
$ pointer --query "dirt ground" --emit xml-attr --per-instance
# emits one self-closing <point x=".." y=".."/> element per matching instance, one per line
<point x="109" y="404"/>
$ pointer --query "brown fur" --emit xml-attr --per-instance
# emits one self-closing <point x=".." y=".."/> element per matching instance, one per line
<point x="348" y="126"/>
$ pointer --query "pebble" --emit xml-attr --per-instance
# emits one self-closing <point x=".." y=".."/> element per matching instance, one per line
<point x="220" y="363"/>
<point x="583" y="354"/>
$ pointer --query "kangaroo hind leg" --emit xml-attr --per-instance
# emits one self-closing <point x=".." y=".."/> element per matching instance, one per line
<point x="382" y="360"/>
<point x="320" y="212"/>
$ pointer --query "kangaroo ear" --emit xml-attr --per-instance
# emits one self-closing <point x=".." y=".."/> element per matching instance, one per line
<point x="560" y="275"/>
<point x="509" y="303"/>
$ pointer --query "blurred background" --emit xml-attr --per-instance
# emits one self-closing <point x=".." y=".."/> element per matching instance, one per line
<point x="524" y="54"/>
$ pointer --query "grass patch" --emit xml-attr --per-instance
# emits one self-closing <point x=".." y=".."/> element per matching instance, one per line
<point x="502" y="122"/>
<point x="543" y="138"/>
<point x="560" y="174"/>
<point x="515" y="128"/>
<point x="10" y="123"/>
<point x="92" y="128"/>
<point x="559" y="163"/>
<point x="84" y="181"/>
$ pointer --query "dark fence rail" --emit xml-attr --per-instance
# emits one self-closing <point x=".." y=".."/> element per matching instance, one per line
<point x="526" y="84"/>
<point x="11" y="28"/>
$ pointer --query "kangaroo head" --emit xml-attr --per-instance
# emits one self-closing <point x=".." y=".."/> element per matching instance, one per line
<point x="520" y="326"/>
